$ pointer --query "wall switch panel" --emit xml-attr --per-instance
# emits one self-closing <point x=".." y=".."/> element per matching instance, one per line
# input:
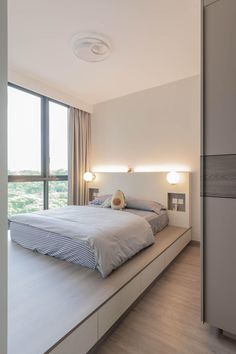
<point x="176" y="202"/>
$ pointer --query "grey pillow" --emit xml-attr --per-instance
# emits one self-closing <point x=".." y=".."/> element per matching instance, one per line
<point x="143" y="204"/>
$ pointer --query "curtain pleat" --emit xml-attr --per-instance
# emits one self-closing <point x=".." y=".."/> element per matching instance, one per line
<point x="79" y="154"/>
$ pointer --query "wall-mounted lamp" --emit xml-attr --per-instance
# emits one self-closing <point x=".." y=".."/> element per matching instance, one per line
<point x="89" y="176"/>
<point x="173" y="177"/>
<point x="130" y="169"/>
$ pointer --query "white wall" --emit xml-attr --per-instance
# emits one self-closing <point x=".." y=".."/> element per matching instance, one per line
<point x="49" y="91"/>
<point x="3" y="177"/>
<point x="157" y="128"/>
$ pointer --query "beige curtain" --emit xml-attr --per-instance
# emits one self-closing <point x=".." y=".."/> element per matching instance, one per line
<point x="79" y="154"/>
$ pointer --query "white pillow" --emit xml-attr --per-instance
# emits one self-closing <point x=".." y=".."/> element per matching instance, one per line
<point x="100" y="199"/>
<point x="106" y="203"/>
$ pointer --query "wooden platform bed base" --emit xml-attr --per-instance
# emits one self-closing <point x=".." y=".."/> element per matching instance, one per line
<point x="81" y="305"/>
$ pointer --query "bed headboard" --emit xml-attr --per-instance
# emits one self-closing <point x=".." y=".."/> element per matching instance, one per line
<point x="149" y="185"/>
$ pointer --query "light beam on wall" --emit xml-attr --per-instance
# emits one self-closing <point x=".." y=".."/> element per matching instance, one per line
<point x="162" y="168"/>
<point x="110" y="168"/>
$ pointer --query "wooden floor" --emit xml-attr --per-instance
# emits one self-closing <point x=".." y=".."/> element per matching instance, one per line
<point x="167" y="319"/>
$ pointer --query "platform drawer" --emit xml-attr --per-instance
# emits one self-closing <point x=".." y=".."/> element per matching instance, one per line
<point x="186" y="238"/>
<point x="151" y="272"/>
<point x="110" y="312"/>
<point x="177" y="247"/>
<point x="80" y="340"/>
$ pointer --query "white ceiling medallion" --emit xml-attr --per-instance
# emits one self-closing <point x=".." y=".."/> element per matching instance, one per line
<point x="91" y="46"/>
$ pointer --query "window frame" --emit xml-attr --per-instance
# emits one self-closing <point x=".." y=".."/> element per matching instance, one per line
<point x="45" y="176"/>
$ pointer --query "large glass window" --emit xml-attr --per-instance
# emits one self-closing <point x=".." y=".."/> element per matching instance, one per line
<point x="37" y="152"/>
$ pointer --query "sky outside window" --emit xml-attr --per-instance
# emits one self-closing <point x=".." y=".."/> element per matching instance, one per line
<point x="24" y="133"/>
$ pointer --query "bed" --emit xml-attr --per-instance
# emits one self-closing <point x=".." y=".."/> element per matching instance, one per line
<point x="43" y="290"/>
<point x="94" y="237"/>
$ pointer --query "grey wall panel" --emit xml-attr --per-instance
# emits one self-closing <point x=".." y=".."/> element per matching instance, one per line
<point x="209" y="2"/>
<point x="219" y="176"/>
<point x="220" y="77"/>
<point x="220" y="263"/>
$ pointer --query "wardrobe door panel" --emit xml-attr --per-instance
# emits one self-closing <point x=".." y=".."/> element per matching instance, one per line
<point x="220" y="263"/>
<point x="220" y="77"/>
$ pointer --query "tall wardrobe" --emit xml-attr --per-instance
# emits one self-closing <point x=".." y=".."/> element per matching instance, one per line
<point x="219" y="165"/>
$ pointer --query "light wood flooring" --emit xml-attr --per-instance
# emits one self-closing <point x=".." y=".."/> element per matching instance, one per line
<point x="167" y="319"/>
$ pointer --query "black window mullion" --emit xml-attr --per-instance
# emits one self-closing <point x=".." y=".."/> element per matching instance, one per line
<point x="45" y="146"/>
<point x="45" y="195"/>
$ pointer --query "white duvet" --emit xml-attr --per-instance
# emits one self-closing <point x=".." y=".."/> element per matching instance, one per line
<point x="114" y="236"/>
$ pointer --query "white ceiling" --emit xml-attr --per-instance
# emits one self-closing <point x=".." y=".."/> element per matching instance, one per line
<point x="154" y="42"/>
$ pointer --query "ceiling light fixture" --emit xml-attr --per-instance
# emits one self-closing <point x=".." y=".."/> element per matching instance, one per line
<point x="91" y="46"/>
